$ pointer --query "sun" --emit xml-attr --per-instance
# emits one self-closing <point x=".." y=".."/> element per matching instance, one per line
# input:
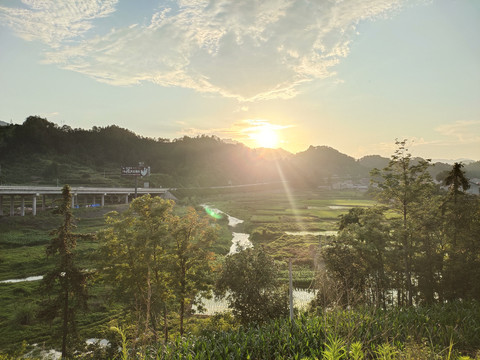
<point x="265" y="137"/>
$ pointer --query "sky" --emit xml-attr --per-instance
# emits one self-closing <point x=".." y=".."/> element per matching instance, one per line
<point x="350" y="74"/>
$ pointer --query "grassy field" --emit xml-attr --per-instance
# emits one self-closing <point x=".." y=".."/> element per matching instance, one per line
<point x="23" y="242"/>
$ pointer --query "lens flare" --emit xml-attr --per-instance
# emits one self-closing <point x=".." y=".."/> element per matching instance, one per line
<point x="212" y="212"/>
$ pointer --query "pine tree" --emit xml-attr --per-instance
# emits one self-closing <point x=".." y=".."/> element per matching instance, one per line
<point x="65" y="284"/>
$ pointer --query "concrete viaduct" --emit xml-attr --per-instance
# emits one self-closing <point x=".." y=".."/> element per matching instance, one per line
<point x="29" y="194"/>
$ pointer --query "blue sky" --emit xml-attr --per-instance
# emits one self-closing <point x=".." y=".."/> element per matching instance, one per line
<point x="351" y="74"/>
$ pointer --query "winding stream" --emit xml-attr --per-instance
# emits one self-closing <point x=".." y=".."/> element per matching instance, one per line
<point x="239" y="240"/>
<point x="301" y="297"/>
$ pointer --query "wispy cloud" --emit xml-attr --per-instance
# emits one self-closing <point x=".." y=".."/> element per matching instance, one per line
<point x="465" y="132"/>
<point x="54" y="22"/>
<point x="248" y="49"/>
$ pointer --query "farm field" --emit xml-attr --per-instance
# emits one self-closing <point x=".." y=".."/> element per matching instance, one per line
<point x="269" y="215"/>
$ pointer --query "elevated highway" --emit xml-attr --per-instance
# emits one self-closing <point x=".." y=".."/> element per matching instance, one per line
<point x="24" y="198"/>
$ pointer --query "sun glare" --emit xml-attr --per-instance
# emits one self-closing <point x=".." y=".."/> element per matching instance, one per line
<point x="266" y="137"/>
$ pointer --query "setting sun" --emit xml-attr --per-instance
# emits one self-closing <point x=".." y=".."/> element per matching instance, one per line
<point x="262" y="133"/>
<point x="266" y="137"/>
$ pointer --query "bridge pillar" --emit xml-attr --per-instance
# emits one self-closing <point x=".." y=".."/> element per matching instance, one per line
<point x="44" y="198"/>
<point x="22" y="207"/>
<point x="93" y="203"/>
<point x="12" y="205"/>
<point x="1" y="205"/>
<point x="103" y="200"/>
<point x="126" y="199"/>
<point x="34" y="205"/>
<point x="73" y="201"/>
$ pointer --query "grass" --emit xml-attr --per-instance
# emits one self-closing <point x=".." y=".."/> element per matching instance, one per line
<point x="436" y="332"/>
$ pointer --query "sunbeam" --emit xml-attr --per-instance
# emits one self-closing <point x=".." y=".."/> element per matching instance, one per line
<point x="290" y="198"/>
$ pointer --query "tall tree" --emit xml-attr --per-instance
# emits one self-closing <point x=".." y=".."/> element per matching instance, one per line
<point x="455" y="180"/>
<point x="191" y="261"/>
<point x="461" y="220"/>
<point x="403" y="184"/>
<point x="458" y="185"/>
<point x="65" y="283"/>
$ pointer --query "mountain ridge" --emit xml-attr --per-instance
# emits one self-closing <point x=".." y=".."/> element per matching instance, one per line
<point x="39" y="151"/>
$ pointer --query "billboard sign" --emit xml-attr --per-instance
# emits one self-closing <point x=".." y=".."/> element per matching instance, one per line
<point x="135" y="170"/>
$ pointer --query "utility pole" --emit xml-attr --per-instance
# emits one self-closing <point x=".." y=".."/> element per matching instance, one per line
<point x="136" y="186"/>
<point x="290" y="288"/>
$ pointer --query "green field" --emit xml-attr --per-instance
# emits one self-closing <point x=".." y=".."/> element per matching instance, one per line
<point x="268" y="214"/>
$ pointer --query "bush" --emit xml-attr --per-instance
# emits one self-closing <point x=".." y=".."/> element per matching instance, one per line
<point x="24" y="315"/>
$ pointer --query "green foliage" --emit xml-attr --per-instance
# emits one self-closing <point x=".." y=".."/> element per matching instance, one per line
<point x="153" y="259"/>
<point x="121" y="332"/>
<point x="190" y="259"/>
<point x="24" y="315"/>
<point x="403" y="185"/>
<point x="355" y="352"/>
<point x="65" y="284"/>
<point x="420" y="248"/>
<point x="132" y="257"/>
<point x="335" y="349"/>
<point x="339" y="334"/>
<point x="248" y="279"/>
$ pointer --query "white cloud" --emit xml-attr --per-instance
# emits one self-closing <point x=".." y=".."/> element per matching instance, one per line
<point x="53" y="22"/>
<point x="248" y="49"/>
<point x="465" y="132"/>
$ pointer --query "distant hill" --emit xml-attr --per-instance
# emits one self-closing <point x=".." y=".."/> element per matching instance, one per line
<point x="451" y="162"/>
<point x="3" y="123"/>
<point x="41" y="152"/>
<point x="374" y="161"/>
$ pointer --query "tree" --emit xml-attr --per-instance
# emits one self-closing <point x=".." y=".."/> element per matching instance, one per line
<point x="191" y="259"/>
<point x="249" y="281"/>
<point x="461" y="214"/>
<point x="357" y="258"/>
<point x="133" y="254"/>
<point x="455" y="180"/>
<point x="156" y="259"/>
<point x="402" y="185"/>
<point x="65" y="283"/>
<point x="429" y="248"/>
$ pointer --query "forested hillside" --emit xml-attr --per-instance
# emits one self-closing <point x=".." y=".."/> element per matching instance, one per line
<point x="41" y="152"/>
